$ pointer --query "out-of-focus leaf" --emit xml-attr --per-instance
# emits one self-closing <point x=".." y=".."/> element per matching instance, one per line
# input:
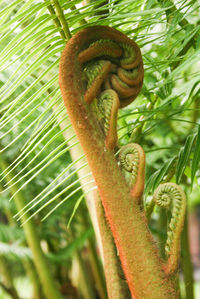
<point x="14" y="251"/>
<point x="196" y="158"/>
<point x="78" y="243"/>
<point x="184" y="156"/>
<point x="158" y="176"/>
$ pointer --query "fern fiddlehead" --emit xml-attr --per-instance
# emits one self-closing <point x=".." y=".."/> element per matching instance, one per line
<point x="132" y="159"/>
<point x="172" y="197"/>
<point x="126" y="221"/>
<point x="113" y="71"/>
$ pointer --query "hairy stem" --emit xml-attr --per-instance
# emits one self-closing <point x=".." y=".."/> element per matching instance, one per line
<point x="83" y="172"/>
<point x="116" y="284"/>
<point x="144" y="273"/>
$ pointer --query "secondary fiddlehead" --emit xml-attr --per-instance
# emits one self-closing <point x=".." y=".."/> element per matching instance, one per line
<point x="108" y="104"/>
<point x="111" y="64"/>
<point x="172" y="197"/>
<point x="132" y="159"/>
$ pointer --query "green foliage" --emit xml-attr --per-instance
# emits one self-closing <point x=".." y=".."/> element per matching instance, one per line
<point x="10" y="233"/>
<point x="68" y="252"/>
<point x="15" y="251"/>
<point x="183" y="158"/>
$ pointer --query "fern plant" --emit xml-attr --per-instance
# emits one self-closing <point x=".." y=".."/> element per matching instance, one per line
<point x="41" y="156"/>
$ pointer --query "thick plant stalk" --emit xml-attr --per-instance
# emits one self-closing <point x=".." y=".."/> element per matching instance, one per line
<point x="116" y="284"/>
<point x="144" y="273"/>
<point x="42" y="267"/>
<point x="83" y="172"/>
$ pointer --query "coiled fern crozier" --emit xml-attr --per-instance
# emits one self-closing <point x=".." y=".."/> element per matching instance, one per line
<point x="101" y="70"/>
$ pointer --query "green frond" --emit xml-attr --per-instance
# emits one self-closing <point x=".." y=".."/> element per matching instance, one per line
<point x="63" y="177"/>
<point x="57" y="196"/>
<point x="67" y="197"/>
